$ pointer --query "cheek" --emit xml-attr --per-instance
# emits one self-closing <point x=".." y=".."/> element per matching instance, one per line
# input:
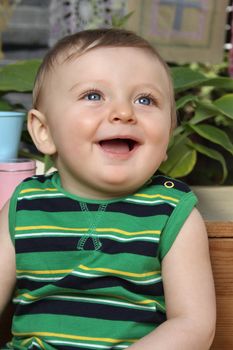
<point x="73" y="136"/>
<point x="159" y="134"/>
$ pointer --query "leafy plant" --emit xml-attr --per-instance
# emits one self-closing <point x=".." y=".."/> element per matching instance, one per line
<point x="198" y="133"/>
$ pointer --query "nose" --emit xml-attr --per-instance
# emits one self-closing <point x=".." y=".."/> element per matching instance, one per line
<point x="122" y="113"/>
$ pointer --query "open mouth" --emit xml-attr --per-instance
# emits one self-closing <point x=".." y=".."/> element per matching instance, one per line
<point x="119" y="145"/>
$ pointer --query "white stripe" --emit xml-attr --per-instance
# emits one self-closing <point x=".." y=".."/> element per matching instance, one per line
<point x="157" y="279"/>
<point x="66" y="234"/>
<point x="43" y="234"/>
<point x="57" y="342"/>
<point x="34" y="343"/>
<point x="20" y="301"/>
<point x="138" y="238"/>
<point x="94" y="300"/>
<point x="42" y="195"/>
<point x="40" y="278"/>
<point x="77" y="273"/>
<point x="150" y="202"/>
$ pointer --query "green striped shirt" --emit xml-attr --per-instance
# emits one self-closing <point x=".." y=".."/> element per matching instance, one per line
<point x="89" y="275"/>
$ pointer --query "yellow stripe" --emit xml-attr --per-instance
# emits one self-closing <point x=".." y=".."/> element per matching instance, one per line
<point x="134" y="233"/>
<point x="40" y="343"/>
<point x="26" y="341"/>
<point x="45" y="272"/>
<point x="22" y="228"/>
<point x="28" y="296"/>
<point x="38" y="190"/>
<point x="137" y="302"/>
<point x="145" y="302"/>
<point x="124" y="273"/>
<point x="74" y="337"/>
<point x="156" y="196"/>
<point x="34" y="338"/>
<point x="78" y="229"/>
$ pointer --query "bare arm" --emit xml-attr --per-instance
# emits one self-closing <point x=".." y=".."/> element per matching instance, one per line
<point x="189" y="293"/>
<point x="7" y="258"/>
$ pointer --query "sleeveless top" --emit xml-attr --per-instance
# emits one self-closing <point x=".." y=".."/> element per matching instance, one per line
<point x="89" y="275"/>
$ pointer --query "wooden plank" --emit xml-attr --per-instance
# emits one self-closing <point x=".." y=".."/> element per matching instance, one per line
<point x="5" y="324"/>
<point x="224" y="332"/>
<point x="221" y="251"/>
<point x="219" y="229"/>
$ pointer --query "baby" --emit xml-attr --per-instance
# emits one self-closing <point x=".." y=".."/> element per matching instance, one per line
<point x="104" y="253"/>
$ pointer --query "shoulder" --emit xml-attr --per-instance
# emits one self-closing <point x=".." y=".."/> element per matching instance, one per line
<point x="37" y="186"/>
<point x="162" y="188"/>
<point x="39" y="180"/>
<point x="36" y="183"/>
<point x="178" y="196"/>
<point x="169" y="184"/>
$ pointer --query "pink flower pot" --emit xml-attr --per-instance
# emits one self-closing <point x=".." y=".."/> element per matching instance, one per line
<point x="12" y="172"/>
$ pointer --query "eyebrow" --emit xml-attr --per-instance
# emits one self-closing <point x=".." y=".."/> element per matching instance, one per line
<point x="154" y="87"/>
<point x="86" y="83"/>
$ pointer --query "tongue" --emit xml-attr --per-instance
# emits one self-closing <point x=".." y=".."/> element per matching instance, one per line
<point x="115" y="146"/>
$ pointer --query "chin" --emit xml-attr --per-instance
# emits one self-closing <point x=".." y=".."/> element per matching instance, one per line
<point x="122" y="186"/>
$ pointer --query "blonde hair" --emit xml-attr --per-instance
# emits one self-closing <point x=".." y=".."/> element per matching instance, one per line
<point x="72" y="46"/>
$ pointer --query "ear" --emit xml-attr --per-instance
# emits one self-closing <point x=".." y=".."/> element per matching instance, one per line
<point x="39" y="130"/>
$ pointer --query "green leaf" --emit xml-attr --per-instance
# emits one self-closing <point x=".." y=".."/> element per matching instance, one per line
<point x="118" y="22"/>
<point x="181" y="159"/>
<point x="178" y="130"/>
<point x="185" y="78"/>
<point x="185" y="164"/>
<point x="5" y="106"/>
<point x="211" y="153"/>
<point x="220" y="83"/>
<point x="19" y="76"/>
<point x="203" y="112"/>
<point x="225" y="105"/>
<point x="214" y="134"/>
<point x="184" y="100"/>
<point x="48" y="163"/>
<point x="30" y="155"/>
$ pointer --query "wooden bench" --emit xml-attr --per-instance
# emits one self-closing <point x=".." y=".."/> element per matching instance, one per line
<point x="221" y="251"/>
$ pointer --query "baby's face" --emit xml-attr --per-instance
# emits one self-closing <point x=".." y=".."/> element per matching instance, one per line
<point x="109" y="116"/>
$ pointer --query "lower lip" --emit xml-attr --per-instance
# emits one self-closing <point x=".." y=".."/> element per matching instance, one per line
<point x="119" y="155"/>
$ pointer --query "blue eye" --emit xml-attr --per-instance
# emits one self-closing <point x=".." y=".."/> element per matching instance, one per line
<point x="145" y="100"/>
<point x="93" y="96"/>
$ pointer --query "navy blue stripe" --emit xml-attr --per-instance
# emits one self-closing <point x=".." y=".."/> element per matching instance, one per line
<point x="78" y="283"/>
<point x="178" y="185"/>
<point x="70" y="205"/>
<point x="90" y="310"/>
<point x="69" y="244"/>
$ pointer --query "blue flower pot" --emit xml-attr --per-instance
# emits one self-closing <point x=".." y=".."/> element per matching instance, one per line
<point x="11" y="125"/>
